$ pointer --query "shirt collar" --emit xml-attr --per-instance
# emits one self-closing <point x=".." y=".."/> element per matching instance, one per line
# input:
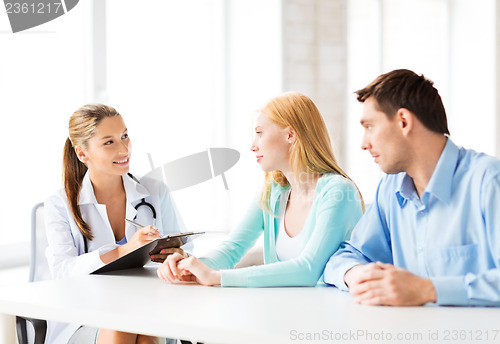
<point x="440" y="184"/>
<point x="276" y="193"/>
<point x="441" y="181"/>
<point x="406" y="190"/>
<point x="133" y="190"/>
<point x="87" y="195"/>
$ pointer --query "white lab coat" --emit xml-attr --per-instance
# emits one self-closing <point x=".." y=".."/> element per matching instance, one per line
<point x="66" y="252"/>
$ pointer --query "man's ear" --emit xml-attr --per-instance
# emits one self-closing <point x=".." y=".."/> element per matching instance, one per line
<point x="292" y="136"/>
<point x="406" y="120"/>
<point x="80" y="153"/>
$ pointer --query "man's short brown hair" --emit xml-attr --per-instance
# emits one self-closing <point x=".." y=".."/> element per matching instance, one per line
<point x="403" y="88"/>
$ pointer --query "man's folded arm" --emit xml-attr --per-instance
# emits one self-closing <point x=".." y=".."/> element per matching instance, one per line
<point x="370" y="242"/>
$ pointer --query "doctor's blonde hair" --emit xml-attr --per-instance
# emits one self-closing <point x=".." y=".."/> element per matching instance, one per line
<point x="82" y="126"/>
<point x="312" y="152"/>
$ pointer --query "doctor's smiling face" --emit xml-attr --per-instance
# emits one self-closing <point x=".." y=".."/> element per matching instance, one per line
<point x="271" y="144"/>
<point x="109" y="150"/>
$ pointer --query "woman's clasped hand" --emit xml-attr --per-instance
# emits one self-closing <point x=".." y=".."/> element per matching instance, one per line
<point x="179" y="268"/>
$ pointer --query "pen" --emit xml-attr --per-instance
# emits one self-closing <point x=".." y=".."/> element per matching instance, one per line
<point x="138" y="225"/>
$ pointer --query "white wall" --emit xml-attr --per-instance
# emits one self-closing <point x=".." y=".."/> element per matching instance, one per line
<point x="450" y="42"/>
<point x="185" y="76"/>
<point x="41" y="83"/>
<point x="188" y="76"/>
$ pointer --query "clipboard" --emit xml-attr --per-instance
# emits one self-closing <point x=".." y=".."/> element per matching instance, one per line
<point x="140" y="256"/>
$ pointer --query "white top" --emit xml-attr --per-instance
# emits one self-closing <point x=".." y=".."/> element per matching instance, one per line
<point x="287" y="247"/>
<point x="66" y="252"/>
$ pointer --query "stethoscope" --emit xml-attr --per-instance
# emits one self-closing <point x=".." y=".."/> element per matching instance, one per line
<point x="140" y="204"/>
<point x="143" y="203"/>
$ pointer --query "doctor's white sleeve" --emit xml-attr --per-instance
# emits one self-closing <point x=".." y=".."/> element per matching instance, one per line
<point x="66" y="253"/>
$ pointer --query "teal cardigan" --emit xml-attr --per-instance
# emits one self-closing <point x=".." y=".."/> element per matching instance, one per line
<point x="335" y="211"/>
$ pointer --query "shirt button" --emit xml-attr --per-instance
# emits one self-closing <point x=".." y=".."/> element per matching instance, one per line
<point x="422" y="213"/>
<point x="420" y="249"/>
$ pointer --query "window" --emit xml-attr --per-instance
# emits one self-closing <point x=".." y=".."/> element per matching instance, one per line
<point x="186" y="76"/>
<point x="41" y="83"/>
<point x="450" y="42"/>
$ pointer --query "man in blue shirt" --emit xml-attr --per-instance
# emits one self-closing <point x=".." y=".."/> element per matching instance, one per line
<point x="433" y="232"/>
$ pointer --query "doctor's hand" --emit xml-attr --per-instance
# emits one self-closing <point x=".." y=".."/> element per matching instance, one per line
<point x="384" y="284"/>
<point x="142" y="236"/>
<point x="160" y="257"/>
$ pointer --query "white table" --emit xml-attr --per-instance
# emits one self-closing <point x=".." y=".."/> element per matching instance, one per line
<point x="239" y="315"/>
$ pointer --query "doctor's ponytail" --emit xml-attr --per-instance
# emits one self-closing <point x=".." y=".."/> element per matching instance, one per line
<point x="82" y="127"/>
<point x="74" y="171"/>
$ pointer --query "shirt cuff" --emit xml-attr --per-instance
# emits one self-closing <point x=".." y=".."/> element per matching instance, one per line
<point x="233" y="278"/>
<point x="93" y="259"/>
<point x="450" y="290"/>
<point x="208" y="262"/>
<point x="335" y="276"/>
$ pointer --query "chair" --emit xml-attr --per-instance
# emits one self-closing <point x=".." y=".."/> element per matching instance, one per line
<point x="39" y="271"/>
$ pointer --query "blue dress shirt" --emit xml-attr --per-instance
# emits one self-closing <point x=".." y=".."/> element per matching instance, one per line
<point x="451" y="234"/>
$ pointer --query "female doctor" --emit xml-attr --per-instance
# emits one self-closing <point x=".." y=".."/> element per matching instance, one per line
<point x="85" y="221"/>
